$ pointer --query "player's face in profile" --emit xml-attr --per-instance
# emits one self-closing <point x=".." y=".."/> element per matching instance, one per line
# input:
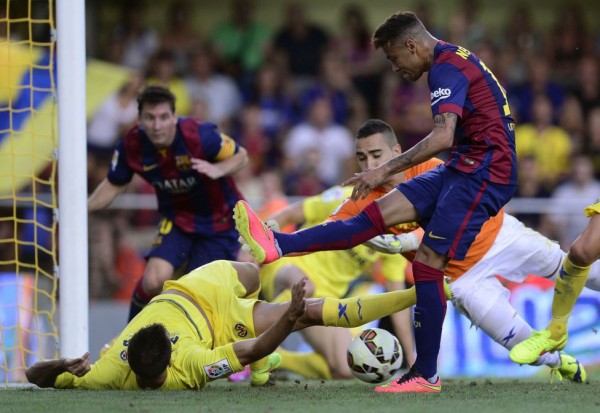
<point x="404" y="61"/>
<point x="159" y="123"/>
<point x="374" y="151"/>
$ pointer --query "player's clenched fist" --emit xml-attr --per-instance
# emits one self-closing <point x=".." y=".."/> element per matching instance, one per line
<point x="77" y="366"/>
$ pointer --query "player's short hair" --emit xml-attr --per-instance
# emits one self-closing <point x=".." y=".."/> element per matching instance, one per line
<point x="149" y="351"/>
<point x="397" y="27"/>
<point x="373" y="126"/>
<point x="155" y="95"/>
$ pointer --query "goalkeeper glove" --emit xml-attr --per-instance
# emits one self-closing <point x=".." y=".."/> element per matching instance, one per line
<point x="394" y="244"/>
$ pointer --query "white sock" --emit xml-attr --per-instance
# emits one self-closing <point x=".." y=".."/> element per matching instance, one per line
<point x="504" y="325"/>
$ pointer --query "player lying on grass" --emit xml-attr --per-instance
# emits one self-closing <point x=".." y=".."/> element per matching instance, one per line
<point x="330" y="273"/>
<point x="205" y="326"/>
<point x="504" y="246"/>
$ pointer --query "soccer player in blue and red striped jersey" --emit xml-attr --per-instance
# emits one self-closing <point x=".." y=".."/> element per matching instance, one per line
<point x="471" y="117"/>
<point x="189" y="164"/>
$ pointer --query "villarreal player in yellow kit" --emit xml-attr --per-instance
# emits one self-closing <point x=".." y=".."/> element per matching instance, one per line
<point x="206" y="326"/>
<point x="198" y="356"/>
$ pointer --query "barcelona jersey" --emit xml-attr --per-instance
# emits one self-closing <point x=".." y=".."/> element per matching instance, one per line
<point x="482" y="244"/>
<point x="484" y="141"/>
<point x="194" y="202"/>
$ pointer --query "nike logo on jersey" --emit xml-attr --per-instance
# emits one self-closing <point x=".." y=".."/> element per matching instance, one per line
<point x="431" y="235"/>
<point x="147" y="168"/>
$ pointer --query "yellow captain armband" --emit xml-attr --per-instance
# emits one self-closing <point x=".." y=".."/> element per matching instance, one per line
<point x="228" y="147"/>
<point x="593" y="209"/>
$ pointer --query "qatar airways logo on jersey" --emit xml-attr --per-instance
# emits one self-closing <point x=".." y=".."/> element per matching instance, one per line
<point x="440" y="94"/>
<point x="176" y="185"/>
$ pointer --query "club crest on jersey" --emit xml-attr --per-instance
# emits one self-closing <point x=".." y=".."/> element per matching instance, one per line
<point x="219" y="369"/>
<point x="240" y="330"/>
<point x="183" y="162"/>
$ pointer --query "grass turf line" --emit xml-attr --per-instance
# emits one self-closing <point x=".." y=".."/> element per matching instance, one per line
<point x="468" y="395"/>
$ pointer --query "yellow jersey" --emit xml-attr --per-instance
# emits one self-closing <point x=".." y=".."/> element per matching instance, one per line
<point x="196" y="359"/>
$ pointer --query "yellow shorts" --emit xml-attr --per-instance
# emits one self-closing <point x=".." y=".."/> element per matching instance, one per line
<point x="216" y="287"/>
<point x="321" y="272"/>
<point x="593" y="209"/>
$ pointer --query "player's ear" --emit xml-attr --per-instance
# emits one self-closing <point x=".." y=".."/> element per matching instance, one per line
<point x="411" y="45"/>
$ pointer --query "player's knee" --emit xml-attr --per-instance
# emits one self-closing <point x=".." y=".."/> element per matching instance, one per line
<point x="581" y="254"/>
<point x="251" y="279"/>
<point x="309" y="289"/>
<point x="153" y="281"/>
<point x="152" y="285"/>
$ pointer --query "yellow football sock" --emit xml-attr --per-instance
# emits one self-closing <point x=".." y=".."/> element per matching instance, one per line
<point x="569" y="284"/>
<point x="356" y="311"/>
<point x="259" y="364"/>
<point x="283" y="297"/>
<point x="308" y="365"/>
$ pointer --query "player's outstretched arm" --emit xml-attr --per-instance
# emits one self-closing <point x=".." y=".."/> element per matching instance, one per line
<point x="254" y="349"/>
<point x="44" y="373"/>
<point x="440" y="139"/>
<point x="104" y="194"/>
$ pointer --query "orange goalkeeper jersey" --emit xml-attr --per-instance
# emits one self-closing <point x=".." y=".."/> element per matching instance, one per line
<point x="455" y="269"/>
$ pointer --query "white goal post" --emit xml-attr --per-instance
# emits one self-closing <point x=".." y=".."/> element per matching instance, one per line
<point x="72" y="178"/>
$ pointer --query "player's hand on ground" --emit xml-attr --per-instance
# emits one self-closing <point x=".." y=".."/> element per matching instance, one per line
<point x="77" y="366"/>
<point x="211" y="170"/>
<point x="298" y="305"/>
<point x="365" y="182"/>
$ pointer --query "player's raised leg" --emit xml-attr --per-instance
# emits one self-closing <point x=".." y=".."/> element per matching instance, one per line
<point x="267" y="245"/>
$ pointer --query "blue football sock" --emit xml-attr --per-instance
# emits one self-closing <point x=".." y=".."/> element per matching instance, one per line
<point x="429" y="315"/>
<point x="335" y="235"/>
<point x="139" y="299"/>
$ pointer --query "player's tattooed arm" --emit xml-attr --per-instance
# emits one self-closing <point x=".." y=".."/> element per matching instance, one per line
<point x="440" y="138"/>
<point x="446" y="121"/>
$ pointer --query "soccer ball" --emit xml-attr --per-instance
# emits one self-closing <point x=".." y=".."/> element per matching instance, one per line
<point x="374" y="355"/>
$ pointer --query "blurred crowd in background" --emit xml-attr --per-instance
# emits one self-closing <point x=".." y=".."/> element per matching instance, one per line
<point x="293" y="93"/>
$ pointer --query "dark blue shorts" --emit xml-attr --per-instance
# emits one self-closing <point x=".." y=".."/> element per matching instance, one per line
<point x="179" y="248"/>
<point x="452" y="206"/>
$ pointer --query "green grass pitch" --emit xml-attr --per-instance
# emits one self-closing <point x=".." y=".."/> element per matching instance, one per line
<point x="303" y="396"/>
